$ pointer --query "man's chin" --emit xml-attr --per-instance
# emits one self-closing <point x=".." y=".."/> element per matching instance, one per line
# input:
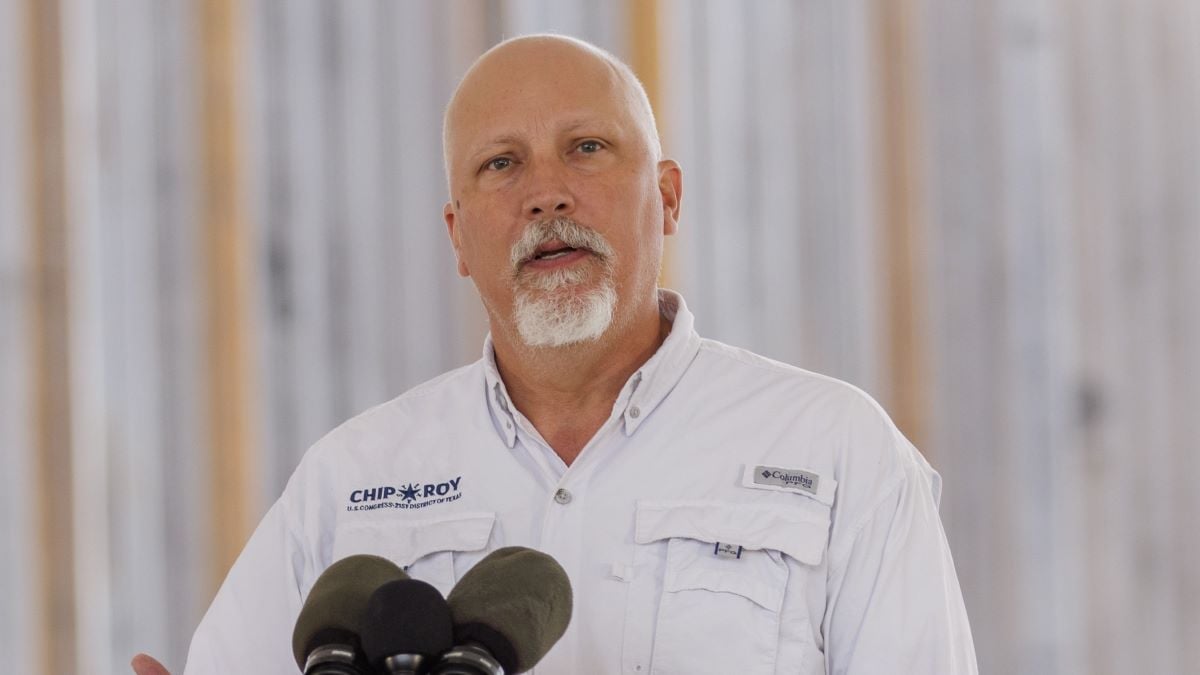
<point x="556" y="319"/>
<point x="542" y="343"/>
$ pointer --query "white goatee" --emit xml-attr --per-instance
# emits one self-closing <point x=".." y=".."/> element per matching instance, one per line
<point x="548" y="310"/>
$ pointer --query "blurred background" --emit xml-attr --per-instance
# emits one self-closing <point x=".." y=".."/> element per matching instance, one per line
<point x="221" y="235"/>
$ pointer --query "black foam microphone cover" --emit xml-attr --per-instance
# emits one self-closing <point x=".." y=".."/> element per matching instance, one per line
<point x="516" y="603"/>
<point x="335" y="605"/>
<point x="406" y="617"/>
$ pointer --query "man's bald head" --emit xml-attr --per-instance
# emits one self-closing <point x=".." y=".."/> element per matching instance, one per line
<point x="521" y="66"/>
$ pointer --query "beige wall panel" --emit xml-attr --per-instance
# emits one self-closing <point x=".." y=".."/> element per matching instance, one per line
<point x="227" y="256"/>
<point x="50" y="393"/>
<point x="902" y="231"/>
<point x="1178" y="25"/>
<point x="21" y="614"/>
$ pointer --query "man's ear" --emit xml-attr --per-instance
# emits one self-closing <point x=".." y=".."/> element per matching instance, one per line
<point x="670" y="186"/>
<point x="448" y="215"/>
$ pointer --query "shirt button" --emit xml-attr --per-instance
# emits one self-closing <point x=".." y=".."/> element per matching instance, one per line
<point x="562" y="496"/>
<point x="634" y="412"/>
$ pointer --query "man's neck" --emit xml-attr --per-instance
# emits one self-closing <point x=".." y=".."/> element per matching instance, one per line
<point x="568" y="392"/>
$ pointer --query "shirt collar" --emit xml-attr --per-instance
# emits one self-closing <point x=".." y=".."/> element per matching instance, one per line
<point x="646" y="387"/>
<point x="497" y="396"/>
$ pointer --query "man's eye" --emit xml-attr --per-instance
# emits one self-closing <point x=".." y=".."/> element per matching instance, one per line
<point x="590" y="147"/>
<point x="498" y="164"/>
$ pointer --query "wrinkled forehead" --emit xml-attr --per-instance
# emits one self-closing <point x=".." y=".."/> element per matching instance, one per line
<point x="533" y="86"/>
<point x="512" y="91"/>
<point x="535" y="101"/>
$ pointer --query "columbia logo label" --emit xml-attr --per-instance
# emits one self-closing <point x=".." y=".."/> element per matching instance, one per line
<point x="793" y="479"/>
<point x="722" y="550"/>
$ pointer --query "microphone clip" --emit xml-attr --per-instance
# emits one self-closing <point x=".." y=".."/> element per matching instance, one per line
<point x="333" y="659"/>
<point x="405" y="664"/>
<point x="467" y="660"/>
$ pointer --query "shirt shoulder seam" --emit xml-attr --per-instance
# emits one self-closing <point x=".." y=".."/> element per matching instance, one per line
<point x="887" y="494"/>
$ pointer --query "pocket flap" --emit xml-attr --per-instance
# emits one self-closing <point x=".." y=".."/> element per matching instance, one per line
<point x="757" y="575"/>
<point x="406" y="541"/>
<point x="799" y="534"/>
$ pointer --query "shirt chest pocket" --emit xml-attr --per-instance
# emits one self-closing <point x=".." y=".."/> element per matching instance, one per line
<point x="710" y="585"/>
<point x="435" y="550"/>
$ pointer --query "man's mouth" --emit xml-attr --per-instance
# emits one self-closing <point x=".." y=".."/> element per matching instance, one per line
<point x="554" y="254"/>
<point x="557" y="246"/>
<point x="555" y="249"/>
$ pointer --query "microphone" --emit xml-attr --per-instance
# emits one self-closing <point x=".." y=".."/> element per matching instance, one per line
<point x="326" y="637"/>
<point x="509" y="610"/>
<point x="406" y="626"/>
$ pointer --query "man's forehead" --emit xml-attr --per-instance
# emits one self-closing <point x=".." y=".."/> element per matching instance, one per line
<point x="539" y="80"/>
<point x="537" y="106"/>
<point x="529" y="84"/>
<point x="524" y="128"/>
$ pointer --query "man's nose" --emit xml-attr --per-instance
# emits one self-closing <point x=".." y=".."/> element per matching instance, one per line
<point x="549" y="194"/>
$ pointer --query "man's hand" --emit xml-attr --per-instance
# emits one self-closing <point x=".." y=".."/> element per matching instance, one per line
<point x="144" y="664"/>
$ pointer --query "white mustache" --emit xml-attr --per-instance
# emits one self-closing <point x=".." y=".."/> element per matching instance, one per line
<point x="563" y="229"/>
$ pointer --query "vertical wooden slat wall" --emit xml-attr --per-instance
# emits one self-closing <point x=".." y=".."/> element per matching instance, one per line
<point x="296" y="327"/>
<point x="22" y="613"/>
<point x="1134" y="193"/>
<point x="1178" y="30"/>
<point x="1037" y="184"/>
<point x="1059" y="165"/>
<point x="997" y="222"/>
<point x="768" y="105"/>
<point x="646" y="61"/>
<point x="1104" y="185"/>
<point x="55" y="646"/>
<point x="901" y="217"/>
<point x="177" y="233"/>
<point x="355" y="284"/>
<point x="90" y="247"/>
<point x="985" y="214"/>
<point x="962" y="164"/>
<point x="136" y="298"/>
<point x="227" y="261"/>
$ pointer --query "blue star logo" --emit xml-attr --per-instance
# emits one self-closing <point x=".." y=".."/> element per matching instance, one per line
<point x="409" y="492"/>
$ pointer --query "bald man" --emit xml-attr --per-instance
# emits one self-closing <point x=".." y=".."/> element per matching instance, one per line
<point x="716" y="512"/>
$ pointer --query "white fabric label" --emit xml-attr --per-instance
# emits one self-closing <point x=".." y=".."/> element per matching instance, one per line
<point x="802" y="481"/>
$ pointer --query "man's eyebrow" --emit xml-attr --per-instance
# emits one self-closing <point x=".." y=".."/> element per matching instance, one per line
<point x="570" y="126"/>
<point x="486" y="146"/>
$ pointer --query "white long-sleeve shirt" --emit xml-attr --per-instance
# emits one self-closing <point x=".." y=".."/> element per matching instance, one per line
<point x="733" y="515"/>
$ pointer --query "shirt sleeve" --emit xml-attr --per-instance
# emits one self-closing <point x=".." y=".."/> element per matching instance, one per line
<point x="248" y="627"/>
<point x="893" y="600"/>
